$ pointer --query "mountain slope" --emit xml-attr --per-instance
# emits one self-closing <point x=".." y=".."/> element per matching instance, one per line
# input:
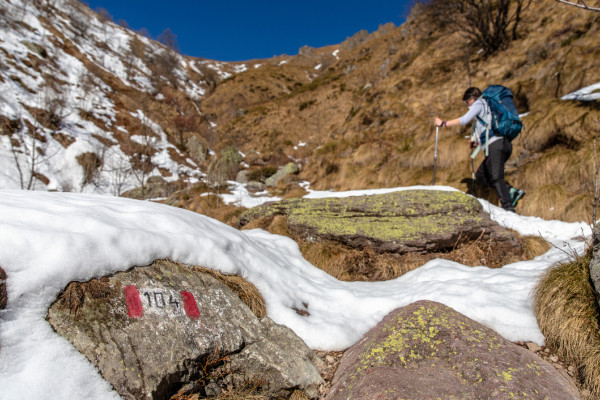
<point x="368" y="117"/>
<point x="90" y="106"/>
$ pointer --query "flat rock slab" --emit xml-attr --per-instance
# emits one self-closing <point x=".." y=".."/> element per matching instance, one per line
<point x="400" y="222"/>
<point x="429" y="351"/>
<point x="152" y="330"/>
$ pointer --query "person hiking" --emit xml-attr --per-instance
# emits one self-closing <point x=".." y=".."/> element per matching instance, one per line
<point x="497" y="148"/>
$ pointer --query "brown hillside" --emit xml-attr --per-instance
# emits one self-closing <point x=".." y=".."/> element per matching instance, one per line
<point x="367" y="117"/>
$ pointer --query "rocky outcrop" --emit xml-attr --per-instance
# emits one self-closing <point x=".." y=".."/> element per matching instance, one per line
<point x="197" y="148"/>
<point x="400" y="222"/>
<point x="152" y="330"/>
<point x="428" y="351"/>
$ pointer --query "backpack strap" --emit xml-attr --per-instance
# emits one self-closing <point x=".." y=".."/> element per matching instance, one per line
<point x="475" y="152"/>
<point x="487" y="110"/>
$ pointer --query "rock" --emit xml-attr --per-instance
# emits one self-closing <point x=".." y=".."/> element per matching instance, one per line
<point x="197" y="148"/>
<point x="289" y="169"/>
<point x="155" y="187"/>
<point x="254" y="186"/>
<point x="152" y="330"/>
<point x="428" y="351"/>
<point x="242" y="176"/>
<point x="533" y="347"/>
<point x="401" y="222"/>
<point x="595" y="261"/>
<point x="3" y="295"/>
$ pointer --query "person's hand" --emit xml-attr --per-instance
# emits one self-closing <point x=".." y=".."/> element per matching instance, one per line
<point x="473" y="144"/>
<point x="438" y="121"/>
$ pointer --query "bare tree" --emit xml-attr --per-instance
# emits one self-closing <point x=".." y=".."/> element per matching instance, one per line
<point x="163" y="66"/>
<point x="28" y="136"/>
<point x="169" y="39"/>
<point x="488" y="24"/>
<point x="14" y="131"/>
<point x="114" y="163"/>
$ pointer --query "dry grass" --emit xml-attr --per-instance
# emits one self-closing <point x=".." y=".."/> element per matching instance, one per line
<point x="365" y="265"/>
<point x="567" y="313"/>
<point x="246" y="291"/>
<point x="74" y="295"/>
<point x="560" y="123"/>
<point x="249" y="390"/>
<point x="533" y="246"/>
<point x="554" y="202"/>
<point x="348" y="264"/>
<point x="352" y="264"/>
<point x="543" y="171"/>
<point x="200" y="199"/>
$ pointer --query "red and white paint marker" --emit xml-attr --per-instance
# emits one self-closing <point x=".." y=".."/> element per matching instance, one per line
<point x="189" y="305"/>
<point x="135" y="309"/>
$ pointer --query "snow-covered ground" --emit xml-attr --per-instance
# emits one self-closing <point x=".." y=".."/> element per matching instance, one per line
<point x="588" y="93"/>
<point x="38" y="73"/>
<point x="49" y="239"/>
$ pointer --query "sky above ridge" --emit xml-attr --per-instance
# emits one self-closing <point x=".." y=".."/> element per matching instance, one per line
<point x="242" y="30"/>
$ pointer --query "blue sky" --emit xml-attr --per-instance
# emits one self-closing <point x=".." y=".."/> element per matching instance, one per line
<point x="242" y="30"/>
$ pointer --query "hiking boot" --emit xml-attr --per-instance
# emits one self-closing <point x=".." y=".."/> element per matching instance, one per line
<point x="516" y="195"/>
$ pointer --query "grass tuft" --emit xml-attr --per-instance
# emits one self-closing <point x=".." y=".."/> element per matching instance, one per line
<point x="567" y="313"/>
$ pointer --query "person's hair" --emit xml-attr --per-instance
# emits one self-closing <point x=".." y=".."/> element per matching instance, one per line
<point x="472" y="93"/>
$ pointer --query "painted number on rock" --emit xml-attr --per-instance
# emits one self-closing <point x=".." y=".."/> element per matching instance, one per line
<point x="157" y="300"/>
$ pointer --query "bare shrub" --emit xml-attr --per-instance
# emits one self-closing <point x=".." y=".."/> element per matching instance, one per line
<point x="163" y="65"/>
<point x="91" y="163"/>
<point x="211" y="75"/>
<point x="169" y="39"/>
<point x="186" y="121"/>
<point x="489" y="25"/>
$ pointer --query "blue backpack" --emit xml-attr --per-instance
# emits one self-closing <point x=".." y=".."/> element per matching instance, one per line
<point x="505" y="117"/>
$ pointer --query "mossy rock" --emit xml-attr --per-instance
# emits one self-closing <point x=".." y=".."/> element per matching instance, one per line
<point x="400" y="222"/>
<point x="429" y="351"/>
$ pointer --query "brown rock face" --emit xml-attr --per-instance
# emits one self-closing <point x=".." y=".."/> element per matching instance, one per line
<point x="152" y="330"/>
<point x="428" y="351"/>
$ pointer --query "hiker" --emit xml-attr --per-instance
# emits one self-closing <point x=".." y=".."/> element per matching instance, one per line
<point x="497" y="148"/>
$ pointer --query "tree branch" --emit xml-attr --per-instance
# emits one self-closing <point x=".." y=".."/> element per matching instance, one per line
<point x="582" y="5"/>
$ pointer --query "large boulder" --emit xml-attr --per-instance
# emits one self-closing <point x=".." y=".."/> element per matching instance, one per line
<point x="407" y="221"/>
<point x="429" y="351"/>
<point x="152" y="330"/>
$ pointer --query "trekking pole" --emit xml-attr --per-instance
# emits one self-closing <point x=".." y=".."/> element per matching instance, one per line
<point x="435" y="153"/>
<point x="472" y="176"/>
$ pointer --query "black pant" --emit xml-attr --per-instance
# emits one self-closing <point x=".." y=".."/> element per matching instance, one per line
<point x="491" y="171"/>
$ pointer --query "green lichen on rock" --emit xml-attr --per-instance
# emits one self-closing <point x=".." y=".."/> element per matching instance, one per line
<point x="430" y="348"/>
<point x="418" y="336"/>
<point x="399" y="221"/>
